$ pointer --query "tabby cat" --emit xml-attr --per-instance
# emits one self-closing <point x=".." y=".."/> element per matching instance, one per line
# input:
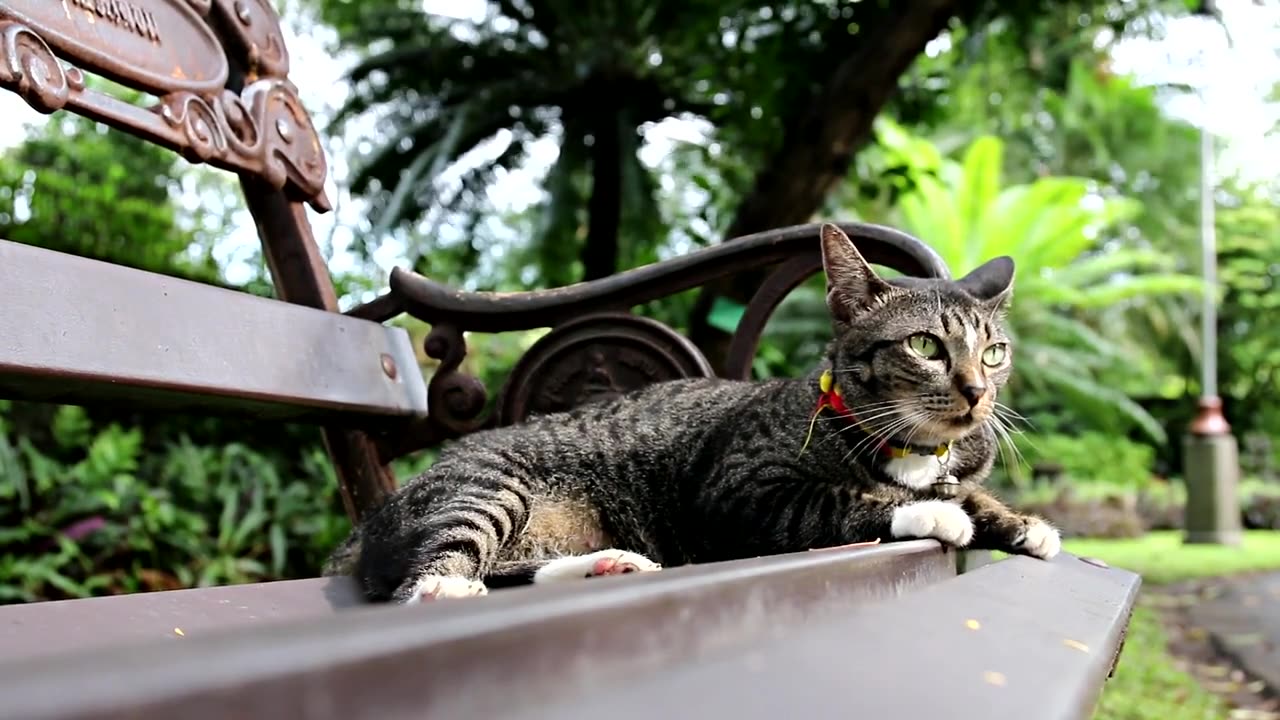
<point x="889" y="438"/>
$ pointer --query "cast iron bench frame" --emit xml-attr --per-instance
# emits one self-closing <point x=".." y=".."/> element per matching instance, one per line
<point x="901" y="623"/>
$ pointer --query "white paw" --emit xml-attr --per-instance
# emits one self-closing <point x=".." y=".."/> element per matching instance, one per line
<point x="438" y="587"/>
<point x="1041" y="540"/>
<point x="933" y="518"/>
<point x="603" y="562"/>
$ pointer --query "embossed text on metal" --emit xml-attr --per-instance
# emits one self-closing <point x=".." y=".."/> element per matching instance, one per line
<point x="125" y="14"/>
<point x="160" y="46"/>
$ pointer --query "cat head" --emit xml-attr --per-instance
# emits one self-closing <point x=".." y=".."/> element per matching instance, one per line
<point x="919" y="359"/>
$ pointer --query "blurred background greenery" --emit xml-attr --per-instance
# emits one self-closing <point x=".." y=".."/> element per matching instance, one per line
<point x="638" y="131"/>
<point x="525" y="144"/>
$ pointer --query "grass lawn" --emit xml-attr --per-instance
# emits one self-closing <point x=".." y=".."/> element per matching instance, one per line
<point x="1160" y="557"/>
<point x="1147" y="685"/>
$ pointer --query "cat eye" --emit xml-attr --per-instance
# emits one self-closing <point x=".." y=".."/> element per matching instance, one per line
<point x="994" y="355"/>
<point x="926" y="346"/>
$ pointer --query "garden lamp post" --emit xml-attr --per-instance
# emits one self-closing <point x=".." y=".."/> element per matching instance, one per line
<point x="1211" y="455"/>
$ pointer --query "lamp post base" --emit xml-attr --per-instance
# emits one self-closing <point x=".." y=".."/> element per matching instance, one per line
<point x="1212" y="514"/>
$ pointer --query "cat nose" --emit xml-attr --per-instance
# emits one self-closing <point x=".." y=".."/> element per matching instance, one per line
<point x="973" y="393"/>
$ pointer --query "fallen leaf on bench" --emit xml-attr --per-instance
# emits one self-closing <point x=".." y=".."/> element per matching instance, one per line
<point x="178" y="632"/>
<point x="1075" y="645"/>
<point x="994" y="678"/>
<point x="846" y="547"/>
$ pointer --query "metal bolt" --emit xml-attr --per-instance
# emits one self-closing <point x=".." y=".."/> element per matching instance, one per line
<point x="282" y="127"/>
<point x="389" y="366"/>
<point x="1095" y="562"/>
<point x="242" y="12"/>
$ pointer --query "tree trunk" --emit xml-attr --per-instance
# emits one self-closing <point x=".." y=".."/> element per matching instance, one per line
<point x="604" y="209"/>
<point x="819" y="144"/>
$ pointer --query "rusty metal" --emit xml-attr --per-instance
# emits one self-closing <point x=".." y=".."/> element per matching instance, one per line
<point x="457" y="400"/>
<point x="434" y="302"/>
<point x="171" y="49"/>
<point x="158" y="46"/>
<point x="887" y="631"/>
<point x="785" y="278"/>
<point x="380" y="309"/>
<point x="300" y="276"/>
<point x="595" y="357"/>
<point x="83" y="331"/>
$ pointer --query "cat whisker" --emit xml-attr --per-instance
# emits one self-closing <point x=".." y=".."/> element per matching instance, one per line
<point x="883" y="434"/>
<point x="865" y="421"/>
<point x="1005" y="443"/>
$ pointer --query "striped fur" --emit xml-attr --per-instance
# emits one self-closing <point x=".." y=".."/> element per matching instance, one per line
<point x="711" y="469"/>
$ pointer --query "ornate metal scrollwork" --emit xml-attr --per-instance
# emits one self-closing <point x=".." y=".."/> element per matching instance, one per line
<point x="265" y="130"/>
<point x="454" y="399"/>
<point x="32" y="69"/>
<point x="201" y="126"/>
<point x="290" y="144"/>
<point x="594" y="357"/>
<point x="255" y="29"/>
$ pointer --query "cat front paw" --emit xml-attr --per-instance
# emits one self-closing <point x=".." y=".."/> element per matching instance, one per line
<point x="1040" y="539"/>
<point x="439" y="587"/>
<point x="939" y="519"/>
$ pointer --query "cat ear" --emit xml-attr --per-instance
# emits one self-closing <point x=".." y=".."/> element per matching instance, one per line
<point x="991" y="282"/>
<point x="852" y="286"/>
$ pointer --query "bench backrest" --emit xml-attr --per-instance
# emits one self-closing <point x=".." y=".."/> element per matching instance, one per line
<point x="80" y="331"/>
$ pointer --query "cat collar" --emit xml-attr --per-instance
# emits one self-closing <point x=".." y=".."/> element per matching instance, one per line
<point x="832" y="397"/>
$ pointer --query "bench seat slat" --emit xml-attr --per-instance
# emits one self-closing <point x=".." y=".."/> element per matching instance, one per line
<point x="706" y="606"/>
<point x="80" y="331"/>
<point x="844" y="633"/>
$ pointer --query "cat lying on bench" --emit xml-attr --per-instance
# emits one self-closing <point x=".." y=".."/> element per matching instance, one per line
<point x="890" y="438"/>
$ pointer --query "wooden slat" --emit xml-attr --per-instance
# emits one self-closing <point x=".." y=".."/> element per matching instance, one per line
<point x="62" y="626"/>
<point x="885" y="632"/>
<point x="80" y="331"/>
<point x="479" y="657"/>
<point x="1019" y="638"/>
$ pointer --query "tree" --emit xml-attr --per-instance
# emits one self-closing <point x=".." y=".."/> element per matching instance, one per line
<point x="828" y="122"/>
<point x="591" y="75"/>
<point x="791" y="86"/>
<point x="75" y="187"/>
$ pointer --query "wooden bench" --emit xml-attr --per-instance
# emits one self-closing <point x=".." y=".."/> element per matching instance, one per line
<point x="896" y="628"/>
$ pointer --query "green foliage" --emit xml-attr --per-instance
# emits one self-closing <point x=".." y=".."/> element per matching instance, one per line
<point x="1075" y="282"/>
<point x="95" y="511"/>
<point x="1148" y="683"/>
<point x="1248" y="229"/>
<point x="1092" y="458"/>
<point x="77" y="188"/>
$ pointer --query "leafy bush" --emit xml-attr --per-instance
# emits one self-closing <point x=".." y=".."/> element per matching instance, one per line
<point x="94" y="511"/>
<point x="1080" y="458"/>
